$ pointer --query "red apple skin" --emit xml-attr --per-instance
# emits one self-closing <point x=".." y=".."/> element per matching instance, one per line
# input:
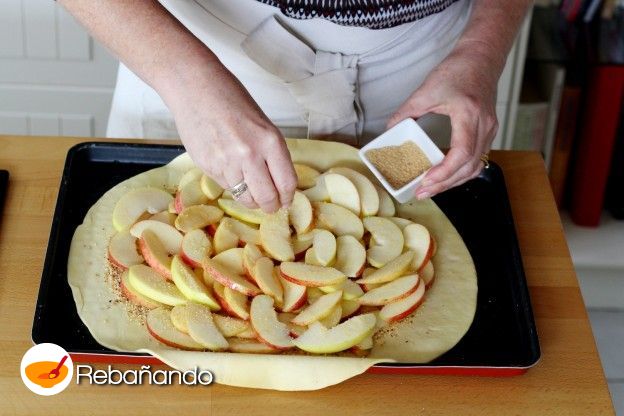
<point x="427" y="256"/>
<point x="227" y="282"/>
<point x="268" y="344"/>
<point x="115" y="262"/>
<point x="188" y="260"/>
<point x="211" y="230"/>
<point x="151" y="261"/>
<point x="299" y="282"/>
<point x="169" y="343"/>
<point x="299" y="304"/>
<point x="407" y="312"/>
<point x="427" y="286"/>
<point x="226" y="306"/>
<point x="177" y="203"/>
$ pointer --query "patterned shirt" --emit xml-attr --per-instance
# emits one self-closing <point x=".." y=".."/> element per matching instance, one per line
<point x="373" y="14"/>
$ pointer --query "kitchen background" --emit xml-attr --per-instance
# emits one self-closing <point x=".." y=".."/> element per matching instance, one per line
<point x="560" y="94"/>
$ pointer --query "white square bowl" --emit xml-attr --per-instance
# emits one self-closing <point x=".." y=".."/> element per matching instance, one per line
<point x="406" y="130"/>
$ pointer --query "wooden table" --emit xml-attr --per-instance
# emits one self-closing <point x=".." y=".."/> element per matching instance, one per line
<point x="567" y="381"/>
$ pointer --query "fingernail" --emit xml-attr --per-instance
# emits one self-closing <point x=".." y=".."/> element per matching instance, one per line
<point x="426" y="182"/>
<point x="423" y="195"/>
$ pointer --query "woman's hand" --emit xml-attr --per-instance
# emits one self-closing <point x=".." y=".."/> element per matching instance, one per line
<point x="463" y="87"/>
<point x="228" y="136"/>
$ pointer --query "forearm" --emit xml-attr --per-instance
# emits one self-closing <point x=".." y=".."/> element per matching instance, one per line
<point x="150" y="41"/>
<point x="492" y="29"/>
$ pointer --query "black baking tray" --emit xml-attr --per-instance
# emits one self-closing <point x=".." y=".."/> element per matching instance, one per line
<point x="502" y="337"/>
<point x="4" y="184"/>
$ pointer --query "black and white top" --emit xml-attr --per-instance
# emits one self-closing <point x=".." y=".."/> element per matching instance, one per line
<point x="373" y="14"/>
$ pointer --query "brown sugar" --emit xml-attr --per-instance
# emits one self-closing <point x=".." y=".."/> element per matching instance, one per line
<point x="399" y="164"/>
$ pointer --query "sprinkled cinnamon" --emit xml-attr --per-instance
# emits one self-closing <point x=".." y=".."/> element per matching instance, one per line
<point x="399" y="164"/>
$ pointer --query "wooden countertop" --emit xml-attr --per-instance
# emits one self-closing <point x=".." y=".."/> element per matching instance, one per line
<point x="568" y="380"/>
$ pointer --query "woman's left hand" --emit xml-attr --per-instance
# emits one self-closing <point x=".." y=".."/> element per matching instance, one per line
<point x="463" y="86"/>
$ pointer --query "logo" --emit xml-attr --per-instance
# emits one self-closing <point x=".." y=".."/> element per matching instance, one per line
<point x="47" y="369"/>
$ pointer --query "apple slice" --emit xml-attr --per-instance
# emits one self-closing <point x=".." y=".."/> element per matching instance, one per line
<point x="159" y="325"/>
<point x="321" y="308"/>
<point x="193" y="174"/>
<point x="418" y="239"/>
<point x="309" y="275"/>
<point x="210" y="188"/>
<point x="348" y="308"/>
<point x="164" y="216"/>
<point x="320" y="340"/>
<point x="363" y="347"/>
<point x="155" y="253"/>
<point x="390" y="292"/>
<point x="310" y="258"/>
<point x="232" y="259"/>
<point x="318" y="192"/>
<point x="148" y="282"/>
<point x="179" y="317"/>
<point x="202" y="328"/>
<point x="264" y="321"/>
<point x="134" y="295"/>
<point x="233" y="303"/>
<point x="228" y="277"/>
<point x="275" y="236"/>
<point x="390" y="271"/>
<point x="324" y="247"/>
<point x="428" y="274"/>
<point x="247" y="346"/>
<point x="189" y="195"/>
<point x="134" y="203"/>
<point x="230" y="326"/>
<point x="306" y="176"/>
<point x="251" y="254"/>
<point x="314" y="293"/>
<point x="386" y="240"/>
<point x="350" y="289"/>
<point x="287" y="317"/>
<point x="245" y="232"/>
<point x="350" y="256"/>
<point x="342" y="192"/>
<point x="171" y="208"/>
<point x="333" y="318"/>
<point x="197" y="216"/>
<point x="122" y="250"/>
<point x="369" y="197"/>
<point x="295" y="295"/>
<point x="224" y="237"/>
<point x="190" y="285"/>
<point x="239" y="211"/>
<point x="398" y="310"/>
<point x="301" y="214"/>
<point x="369" y="286"/>
<point x="170" y="238"/>
<point x="302" y="242"/>
<point x="265" y="279"/>
<point x="401" y="222"/>
<point x="386" y="204"/>
<point x="248" y="334"/>
<point x="196" y="246"/>
<point x="338" y="220"/>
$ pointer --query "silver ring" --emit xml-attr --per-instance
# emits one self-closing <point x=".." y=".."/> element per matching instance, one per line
<point x="238" y="190"/>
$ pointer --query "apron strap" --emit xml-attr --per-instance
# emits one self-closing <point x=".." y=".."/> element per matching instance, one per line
<point x="323" y="83"/>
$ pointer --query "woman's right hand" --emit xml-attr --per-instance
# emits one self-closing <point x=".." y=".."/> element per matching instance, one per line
<point x="229" y="137"/>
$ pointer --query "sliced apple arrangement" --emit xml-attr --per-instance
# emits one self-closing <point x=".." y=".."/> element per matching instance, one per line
<point x="320" y="276"/>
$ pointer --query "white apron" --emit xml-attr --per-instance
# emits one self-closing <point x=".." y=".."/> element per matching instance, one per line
<point x="313" y="78"/>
